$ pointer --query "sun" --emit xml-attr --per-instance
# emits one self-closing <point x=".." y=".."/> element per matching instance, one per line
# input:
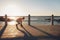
<point x="14" y="10"/>
<point x="13" y="22"/>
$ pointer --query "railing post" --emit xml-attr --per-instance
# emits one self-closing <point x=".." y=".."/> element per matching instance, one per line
<point x="5" y="19"/>
<point x="29" y="19"/>
<point x="52" y="19"/>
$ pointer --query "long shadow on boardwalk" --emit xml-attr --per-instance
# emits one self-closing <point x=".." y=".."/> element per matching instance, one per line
<point x="2" y="30"/>
<point x="26" y="31"/>
<point x="28" y="36"/>
<point x="49" y="35"/>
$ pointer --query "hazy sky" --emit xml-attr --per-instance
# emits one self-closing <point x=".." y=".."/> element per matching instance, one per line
<point x="33" y="7"/>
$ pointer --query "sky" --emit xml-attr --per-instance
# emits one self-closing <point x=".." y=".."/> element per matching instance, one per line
<point x="32" y="7"/>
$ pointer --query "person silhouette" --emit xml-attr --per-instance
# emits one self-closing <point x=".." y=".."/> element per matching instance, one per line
<point x="19" y="21"/>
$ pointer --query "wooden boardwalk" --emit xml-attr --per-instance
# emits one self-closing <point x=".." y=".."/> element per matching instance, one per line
<point x="12" y="31"/>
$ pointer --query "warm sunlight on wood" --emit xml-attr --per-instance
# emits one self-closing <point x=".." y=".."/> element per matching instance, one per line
<point x="12" y="23"/>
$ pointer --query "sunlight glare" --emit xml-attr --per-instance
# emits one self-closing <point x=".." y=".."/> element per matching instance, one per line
<point x="14" y="10"/>
<point x="14" y="18"/>
<point x="12" y="23"/>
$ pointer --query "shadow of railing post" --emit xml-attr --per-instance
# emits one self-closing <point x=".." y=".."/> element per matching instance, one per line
<point x="21" y="31"/>
<point x="3" y="29"/>
<point x="26" y="31"/>
<point x="26" y="34"/>
<point x="50" y="35"/>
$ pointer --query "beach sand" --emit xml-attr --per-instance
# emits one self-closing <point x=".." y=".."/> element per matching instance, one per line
<point x="35" y="30"/>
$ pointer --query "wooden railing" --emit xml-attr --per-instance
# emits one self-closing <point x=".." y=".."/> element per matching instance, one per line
<point x="29" y="19"/>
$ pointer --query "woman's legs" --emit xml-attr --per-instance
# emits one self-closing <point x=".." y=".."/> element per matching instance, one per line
<point x="17" y="24"/>
<point x="21" y="24"/>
